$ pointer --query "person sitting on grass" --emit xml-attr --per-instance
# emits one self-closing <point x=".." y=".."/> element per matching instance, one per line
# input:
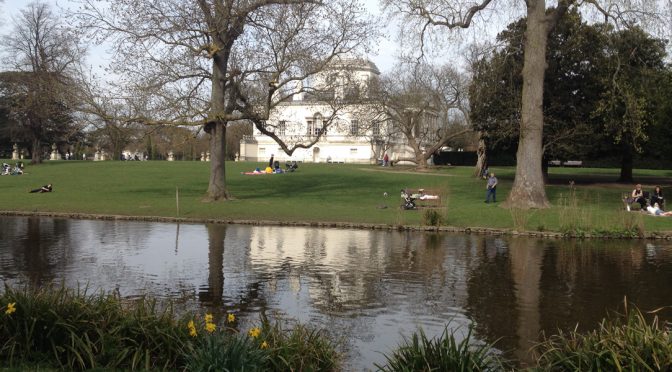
<point x="637" y="196"/>
<point x="45" y="188"/>
<point x="657" y="197"/>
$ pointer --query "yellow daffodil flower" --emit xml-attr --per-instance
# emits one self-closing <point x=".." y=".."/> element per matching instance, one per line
<point x="210" y="327"/>
<point x="192" y="329"/>
<point x="11" y="307"/>
<point x="264" y="345"/>
<point x="254" y="332"/>
<point x="231" y="318"/>
<point x="208" y="318"/>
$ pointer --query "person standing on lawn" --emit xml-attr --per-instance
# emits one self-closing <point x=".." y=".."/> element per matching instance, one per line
<point x="491" y="188"/>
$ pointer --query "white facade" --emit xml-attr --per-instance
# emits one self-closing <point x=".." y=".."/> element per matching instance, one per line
<point x="352" y="136"/>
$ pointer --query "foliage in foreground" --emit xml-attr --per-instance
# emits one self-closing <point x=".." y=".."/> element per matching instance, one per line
<point x="442" y="354"/>
<point x="70" y="329"/>
<point x="74" y="330"/>
<point x="625" y="343"/>
<point x="59" y="328"/>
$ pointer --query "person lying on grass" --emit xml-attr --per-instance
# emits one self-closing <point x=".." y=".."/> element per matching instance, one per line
<point x="45" y="188"/>
<point x="656" y="211"/>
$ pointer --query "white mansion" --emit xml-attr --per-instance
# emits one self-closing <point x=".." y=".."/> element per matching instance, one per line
<point x="354" y="134"/>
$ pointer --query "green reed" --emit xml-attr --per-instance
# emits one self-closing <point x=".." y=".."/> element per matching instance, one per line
<point x="627" y="342"/>
<point x="73" y="329"/>
<point x="444" y="353"/>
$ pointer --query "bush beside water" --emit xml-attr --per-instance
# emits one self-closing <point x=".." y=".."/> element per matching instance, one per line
<point x="58" y="328"/>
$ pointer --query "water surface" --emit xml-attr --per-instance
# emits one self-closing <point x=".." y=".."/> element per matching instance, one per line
<point x="367" y="287"/>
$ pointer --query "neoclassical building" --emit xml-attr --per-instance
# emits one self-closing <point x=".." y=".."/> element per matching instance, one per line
<point x="356" y="133"/>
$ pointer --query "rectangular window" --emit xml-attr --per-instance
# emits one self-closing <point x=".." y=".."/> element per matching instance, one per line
<point x="353" y="150"/>
<point x="310" y="127"/>
<point x="262" y="150"/>
<point x="375" y="129"/>
<point x="282" y="127"/>
<point x="354" y="128"/>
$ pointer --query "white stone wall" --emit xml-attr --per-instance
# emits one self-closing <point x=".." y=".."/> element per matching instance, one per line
<point x="338" y="144"/>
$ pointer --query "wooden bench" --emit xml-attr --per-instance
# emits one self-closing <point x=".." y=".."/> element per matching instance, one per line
<point x="423" y="198"/>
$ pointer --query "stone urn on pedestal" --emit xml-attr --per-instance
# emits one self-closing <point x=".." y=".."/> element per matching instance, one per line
<point x="207" y="156"/>
<point x="54" y="154"/>
<point x="171" y="156"/>
<point x="202" y="156"/>
<point x="15" y="152"/>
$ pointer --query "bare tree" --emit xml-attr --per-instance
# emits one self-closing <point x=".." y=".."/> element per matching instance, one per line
<point x="45" y="55"/>
<point x="528" y="187"/>
<point x="427" y="106"/>
<point x="214" y="62"/>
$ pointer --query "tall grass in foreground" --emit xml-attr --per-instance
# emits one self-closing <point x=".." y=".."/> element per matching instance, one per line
<point x="59" y="328"/>
<point x="626" y="343"/>
<point x="75" y="330"/>
<point x="444" y="353"/>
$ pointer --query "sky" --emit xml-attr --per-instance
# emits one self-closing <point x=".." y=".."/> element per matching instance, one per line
<point x="383" y="57"/>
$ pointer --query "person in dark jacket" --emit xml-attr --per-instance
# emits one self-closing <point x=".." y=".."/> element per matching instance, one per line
<point x="45" y="188"/>
<point x="657" y="197"/>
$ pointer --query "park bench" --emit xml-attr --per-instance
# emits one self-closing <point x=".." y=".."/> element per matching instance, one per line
<point x="423" y="198"/>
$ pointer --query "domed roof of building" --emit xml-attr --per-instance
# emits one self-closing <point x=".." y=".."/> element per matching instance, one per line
<point x="355" y="63"/>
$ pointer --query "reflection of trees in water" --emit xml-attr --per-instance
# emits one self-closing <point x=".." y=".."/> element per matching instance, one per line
<point x="528" y="287"/>
<point x="212" y="295"/>
<point x="491" y="300"/>
<point x="589" y="279"/>
<point x="40" y="249"/>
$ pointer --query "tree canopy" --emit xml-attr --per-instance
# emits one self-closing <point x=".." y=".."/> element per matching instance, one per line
<point x="592" y="70"/>
<point x="216" y="62"/>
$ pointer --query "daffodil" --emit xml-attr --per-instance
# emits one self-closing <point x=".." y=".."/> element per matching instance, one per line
<point x="231" y="318"/>
<point x="210" y="327"/>
<point x="11" y="307"/>
<point x="192" y="329"/>
<point x="208" y="318"/>
<point x="254" y="332"/>
<point x="264" y="345"/>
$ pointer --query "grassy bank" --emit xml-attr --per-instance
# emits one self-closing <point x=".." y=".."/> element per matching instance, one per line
<point x="327" y="193"/>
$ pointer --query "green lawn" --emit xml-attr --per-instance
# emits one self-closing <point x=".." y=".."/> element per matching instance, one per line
<point x="323" y="193"/>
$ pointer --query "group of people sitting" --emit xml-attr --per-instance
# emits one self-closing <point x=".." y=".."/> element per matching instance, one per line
<point x="653" y="202"/>
<point x="274" y="167"/>
<point x="8" y="170"/>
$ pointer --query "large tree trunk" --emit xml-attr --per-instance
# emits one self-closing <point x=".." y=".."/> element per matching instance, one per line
<point x="35" y="153"/>
<point x="626" y="165"/>
<point x="482" y="157"/>
<point x="528" y="187"/>
<point x="217" y="129"/>
<point x="421" y="160"/>
<point x="217" y="187"/>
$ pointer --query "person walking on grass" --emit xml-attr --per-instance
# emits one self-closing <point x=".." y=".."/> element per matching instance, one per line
<point x="491" y="188"/>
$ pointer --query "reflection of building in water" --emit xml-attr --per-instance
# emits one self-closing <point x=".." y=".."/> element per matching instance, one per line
<point x="338" y="261"/>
